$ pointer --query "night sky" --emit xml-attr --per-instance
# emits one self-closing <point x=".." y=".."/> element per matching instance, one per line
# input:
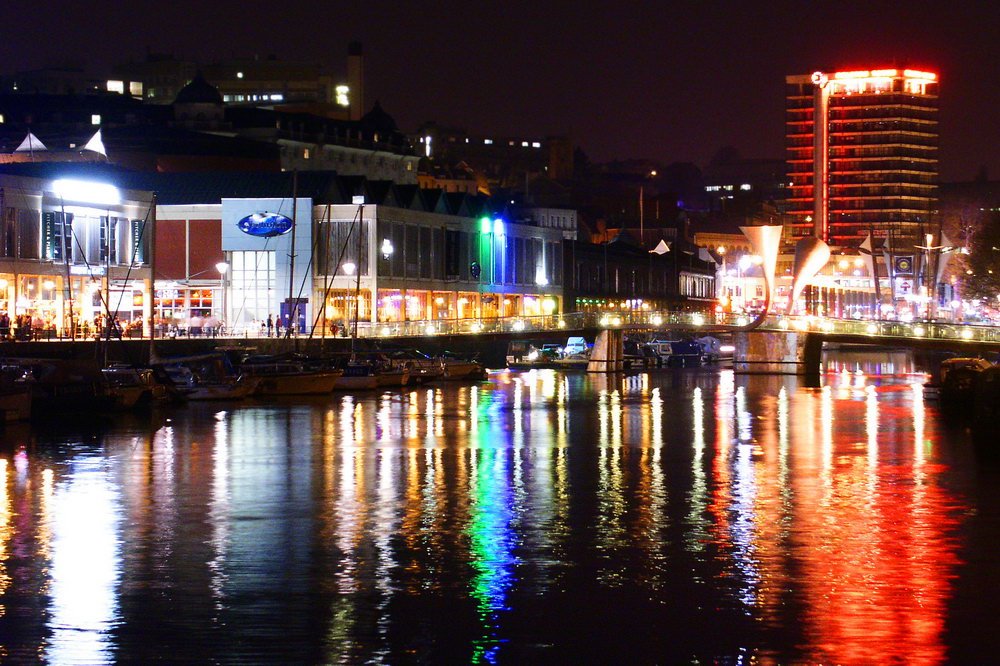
<point x="670" y="81"/>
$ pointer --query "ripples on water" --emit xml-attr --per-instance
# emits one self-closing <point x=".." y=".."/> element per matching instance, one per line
<point x="542" y="517"/>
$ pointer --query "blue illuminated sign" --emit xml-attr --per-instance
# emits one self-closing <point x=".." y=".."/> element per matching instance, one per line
<point x="265" y="225"/>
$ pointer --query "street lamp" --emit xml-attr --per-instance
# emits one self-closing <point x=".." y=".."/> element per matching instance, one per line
<point x="223" y="269"/>
<point x="743" y="264"/>
<point x="723" y="288"/>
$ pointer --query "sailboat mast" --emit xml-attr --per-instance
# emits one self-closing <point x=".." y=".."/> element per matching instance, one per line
<point x="66" y="250"/>
<point x="357" y="283"/>
<point x="291" y="256"/>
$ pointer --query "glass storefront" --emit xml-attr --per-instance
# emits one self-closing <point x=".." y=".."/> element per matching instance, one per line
<point x="252" y="288"/>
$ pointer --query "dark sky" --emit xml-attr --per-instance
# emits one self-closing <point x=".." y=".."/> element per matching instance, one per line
<point x="671" y="81"/>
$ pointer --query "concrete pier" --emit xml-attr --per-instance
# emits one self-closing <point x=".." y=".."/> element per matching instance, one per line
<point x="608" y="354"/>
<point x="777" y="352"/>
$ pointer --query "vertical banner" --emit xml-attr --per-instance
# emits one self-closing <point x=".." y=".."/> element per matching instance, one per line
<point x="49" y="249"/>
<point x="138" y="242"/>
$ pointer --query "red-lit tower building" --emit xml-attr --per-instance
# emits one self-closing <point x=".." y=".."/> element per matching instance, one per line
<point x="861" y="151"/>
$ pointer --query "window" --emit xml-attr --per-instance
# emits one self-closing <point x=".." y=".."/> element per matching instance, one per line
<point x="253" y="285"/>
<point x="116" y="87"/>
<point x="135" y="88"/>
<point x="95" y="119"/>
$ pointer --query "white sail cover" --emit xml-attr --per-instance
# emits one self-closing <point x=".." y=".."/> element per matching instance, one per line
<point x="30" y="144"/>
<point x="96" y="144"/>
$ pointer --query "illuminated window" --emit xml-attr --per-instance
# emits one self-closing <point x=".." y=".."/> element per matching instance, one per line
<point x="1" y="119"/>
<point x="524" y="144"/>
<point x="745" y="187"/>
<point x="305" y="153"/>
<point x="343" y="95"/>
<point x="536" y="144"/>
<point x="135" y="88"/>
<point x="116" y="87"/>
<point x="254" y="278"/>
<point x="488" y="142"/>
<point x="95" y="119"/>
<point x="278" y="97"/>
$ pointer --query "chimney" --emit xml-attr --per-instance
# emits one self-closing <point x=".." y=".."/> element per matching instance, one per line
<point x="356" y="80"/>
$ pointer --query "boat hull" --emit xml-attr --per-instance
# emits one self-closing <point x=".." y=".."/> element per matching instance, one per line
<point x="304" y="383"/>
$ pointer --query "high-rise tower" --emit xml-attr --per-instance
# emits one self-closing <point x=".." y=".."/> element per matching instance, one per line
<point x="861" y="150"/>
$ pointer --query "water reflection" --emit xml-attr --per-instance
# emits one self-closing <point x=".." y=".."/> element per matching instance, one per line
<point x="657" y="517"/>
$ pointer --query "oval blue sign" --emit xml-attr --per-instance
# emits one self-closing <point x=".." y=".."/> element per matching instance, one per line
<point x="265" y="225"/>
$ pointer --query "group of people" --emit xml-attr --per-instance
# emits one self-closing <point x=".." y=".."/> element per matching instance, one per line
<point x="21" y="327"/>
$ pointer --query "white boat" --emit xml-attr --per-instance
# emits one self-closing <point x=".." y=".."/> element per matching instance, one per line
<point x="421" y="367"/>
<point x="459" y="368"/>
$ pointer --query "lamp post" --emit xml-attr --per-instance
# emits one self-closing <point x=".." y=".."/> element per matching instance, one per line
<point x="387" y="250"/>
<point x="743" y="265"/>
<point x="722" y="281"/>
<point x="349" y="267"/>
<point x="223" y="269"/>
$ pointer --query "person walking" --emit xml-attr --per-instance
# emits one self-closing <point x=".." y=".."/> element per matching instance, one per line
<point x="270" y="325"/>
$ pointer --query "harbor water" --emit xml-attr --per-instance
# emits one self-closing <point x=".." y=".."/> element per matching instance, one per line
<point x="677" y="516"/>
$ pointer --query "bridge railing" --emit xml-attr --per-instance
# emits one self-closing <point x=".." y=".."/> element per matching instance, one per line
<point x="664" y="321"/>
<point x="574" y="321"/>
<point x="886" y="329"/>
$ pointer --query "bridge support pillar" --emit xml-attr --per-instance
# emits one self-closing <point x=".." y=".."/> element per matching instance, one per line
<point x="776" y="353"/>
<point x="608" y="353"/>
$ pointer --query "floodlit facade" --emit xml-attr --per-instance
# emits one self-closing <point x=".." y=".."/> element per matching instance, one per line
<point x="862" y="154"/>
<point x="74" y="250"/>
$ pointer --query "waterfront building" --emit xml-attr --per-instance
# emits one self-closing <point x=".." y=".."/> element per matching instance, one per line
<point x="73" y="250"/>
<point x="370" y="253"/>
<point x="861" y="149"/>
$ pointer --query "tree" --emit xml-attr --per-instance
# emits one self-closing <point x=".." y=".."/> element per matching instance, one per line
<point x="982" y="275"/>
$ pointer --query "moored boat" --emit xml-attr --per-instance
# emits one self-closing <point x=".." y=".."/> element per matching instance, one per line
<point x="282" y="375"/>
<point x="356" y="376"/>
<point x="208" y="376"/>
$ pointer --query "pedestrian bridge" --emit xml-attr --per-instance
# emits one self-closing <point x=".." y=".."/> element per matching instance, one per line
<point x="775" y="344"/>
<point x="890" y="333"/>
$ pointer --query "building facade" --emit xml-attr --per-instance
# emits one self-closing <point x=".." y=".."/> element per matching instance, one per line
<point x="74" y="252"/>
<point x="861" y="149"/>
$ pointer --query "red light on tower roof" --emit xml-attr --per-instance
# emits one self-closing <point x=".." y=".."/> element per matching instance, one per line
<point x="884" y="73"/>
<point x="862" y="74"/>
